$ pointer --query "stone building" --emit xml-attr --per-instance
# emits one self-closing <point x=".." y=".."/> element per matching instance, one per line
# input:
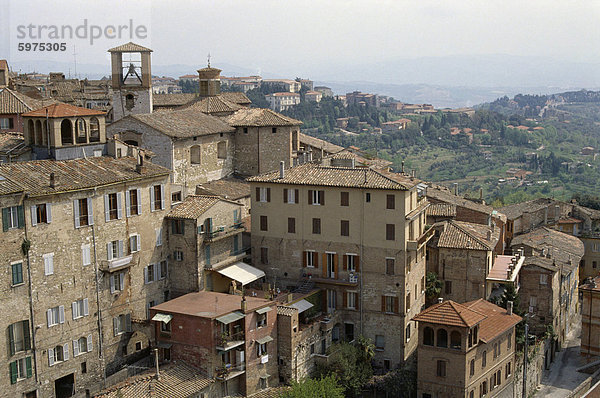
<point x="228" y="337"/>
<point x="13" y="105"/>
<point x="13" y="148"/>
<point x="590" y="312"/>
<point x="87" y="234"/>
<point x="359" y="235"/>
<point x="465" y="350"/>
<point x="549" y="279"/>
<point x="282" y="101"/>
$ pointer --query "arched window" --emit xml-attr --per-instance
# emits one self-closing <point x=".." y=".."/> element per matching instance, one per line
<point x="428" y="336"/>
<point x="195" y="154"/>
<point x="222" y="150"/>
<point x="66" y="132"/>
<point x="129" y="101"/>
<point x="81" y="131"/>
<point x="38" y="132"/>
<point x="442" y="338"/>
<point x="45" y="126"/>
<point x="94" y="130"/>
<point x="455" y="340"/>
<point x="31" y="131"/>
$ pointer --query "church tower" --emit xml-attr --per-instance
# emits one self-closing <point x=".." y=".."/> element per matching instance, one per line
<point x="131" y="80"/>
<point x="210" y="81"/>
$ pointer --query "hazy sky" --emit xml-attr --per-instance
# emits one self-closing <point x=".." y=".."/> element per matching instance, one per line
<point x="284" y="36"/>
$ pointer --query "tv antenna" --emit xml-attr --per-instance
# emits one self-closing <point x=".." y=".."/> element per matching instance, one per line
<point x="75" y="60"/>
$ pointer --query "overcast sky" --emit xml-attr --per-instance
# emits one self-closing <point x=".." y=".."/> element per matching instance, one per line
<point x="294" y="36"/>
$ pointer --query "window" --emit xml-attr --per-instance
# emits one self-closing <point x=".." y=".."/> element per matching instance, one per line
<point x="543" y="279"/>
<point x="344" y="198"/>
<point x="422" y="284"/>
<point x="165" y="327"/>
<point x="164" y="269"/>
<point x="17" y="273"/>
<point x="310" y="259"/>
<point x="135" y="243"/>
<point x="83" y="212"/>
<point x="441" y="368"/>
<point x="312" y="348"/>
<point x="18" y="337"/>
<point x="368" y="197"/>
<point x="428" y="336"/>
<point x="389" y="266"/>
<point x="316" y="198"/>
<point x="222" y="150"/>
<point x="157" y="197"/>
<point x="408" y="302"/>
<point x="290" y="195"/>
<point x="472" y="367"/>
<point x="448" y="287"/>
<point x="6" y="123"/>
<point x="264" y="223"/>
<point x="117" y="282"/>
<point x="20" y="369"/>
<point x="261" y="349"/>
<point x="133" y="202"/>
<point x="12" y="217"/>
<point x="86" y="255"/>
<point x="82" y="345"/>
<point x="80" y="308"/>
<point x="390" y="202"/>
<point x="390" y="232"/>
<point x="41" y="214"/>
<point x="177" y="227"/>
<point x="196" y="154"/>
<point x="121" y="324"/>
<point x="407" y="332"/>
<point x="245" y="130"/>
<point x="483" y="359"/>
<point x="331" y="264"/>
<point x="331" y="301"/>
<point x="351" y="299"/>
<point x="379" y="342"/>
<point x="81" y="131"/>
<point x="178" y="255"/>
<point x="207" y="254"/>
<point x="48" y="263"/>
<point x="509" y="341"/>
<point x="291" y="225"/>
<point x="94" y="130"/>
<point x="175" y="197"/>
<point x="261" y="320"/>
<point x="150" y="273"/>
<point x="274" y="130"/>
<point x="263" y="195"/>
<point x="59" y="353"/>
<point x="498" y="377"/>
<point x="316" y="226"/>
<point x="442" y="338"/>
<point x="158" y="236"/>
<point x="455" y="340"/>
<point x="55" y="315"/>
<point x="351" y="262"/>
<point x="264" y="255"/>
<point x="594" y="264"/>
<point x="390" y="304"/>
<point x="508" y="369"/>
<point x="345" y="228"/>
<point x="112" y="206"/>
<point x="114" y="249"/>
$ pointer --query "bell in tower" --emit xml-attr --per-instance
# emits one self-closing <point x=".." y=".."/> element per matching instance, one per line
<point x="131" y="80"/>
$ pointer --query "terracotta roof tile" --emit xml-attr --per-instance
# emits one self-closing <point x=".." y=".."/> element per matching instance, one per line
<point x="236" y="97"/>
<point x="439" y="194"/>
<point x="516" y="210"/>
<point x="172" y="100"/>
<point x="450" y="313"/>
<point x="312" y="174"/>
<point x="497" y="320"/>
<point x="129" y="47"/>
<point x="14" y="102"/>
<point x="259" y="117"/>
<point x="232" y="188"/>
<point x="286" y="311"/>
<point x="184" y="123"/>
<point x="564" y="248"/>
<point x="8" y="187"/>
<point x="212" y="105"/>
<point x="193" y="207"/>
<point x="12" y="143"/>
<point x="464" y="235"/>
<point x="77" y="174"/>
<point x="441" y="210"/>
<point x="207" y="304"/>
<point x="319" y="143"/>
<point x="63" y="110"/>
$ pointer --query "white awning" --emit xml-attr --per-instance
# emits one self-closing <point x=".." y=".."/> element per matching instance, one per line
<point x="242" y="273"/>
<point x="264" y="340"/>
<point x="231" y="317"/>
<point x="165" y="318"/>
<point x="301" y="305"/>
<point x="263" y="310"/>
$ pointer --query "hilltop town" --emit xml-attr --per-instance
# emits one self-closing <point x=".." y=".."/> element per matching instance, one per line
<point x="212" y="236"/>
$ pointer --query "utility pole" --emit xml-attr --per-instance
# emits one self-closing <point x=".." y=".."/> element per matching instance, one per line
<point x="525" y="355"/>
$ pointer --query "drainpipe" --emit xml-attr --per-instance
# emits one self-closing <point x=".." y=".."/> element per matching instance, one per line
<point x="361" y="254"/>
<point x="590" y="327"/>
<point x="99" y="319"/>
<point x="30" y="293"/>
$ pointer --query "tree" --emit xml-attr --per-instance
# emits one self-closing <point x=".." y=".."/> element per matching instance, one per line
<point x="510" y="294"/>
<point x="433" y="286"/>
<point x="324" y="387"/>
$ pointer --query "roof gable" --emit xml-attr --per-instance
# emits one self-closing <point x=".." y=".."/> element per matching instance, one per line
<point x="63" y="110"/>
<point x="129" y="48"/>
<point x="450" y="313"/>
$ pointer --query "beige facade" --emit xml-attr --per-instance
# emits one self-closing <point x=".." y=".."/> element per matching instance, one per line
<point x="364" y="247"/>
<point x="590" y="318"/>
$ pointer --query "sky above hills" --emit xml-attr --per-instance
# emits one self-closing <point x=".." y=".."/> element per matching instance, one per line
<point x="451" y="42"/>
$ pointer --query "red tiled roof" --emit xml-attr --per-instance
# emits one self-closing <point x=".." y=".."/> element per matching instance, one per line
<point x="63" y="110"/>
<point x="497" y="320"/>
<point x="450" y="313"/>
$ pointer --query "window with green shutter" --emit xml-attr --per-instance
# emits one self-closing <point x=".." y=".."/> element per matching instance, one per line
<point x="17" y="273"/>
<point x="13" y="372"/>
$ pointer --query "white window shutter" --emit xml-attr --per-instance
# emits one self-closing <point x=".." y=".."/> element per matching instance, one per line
<point x="61" y="314"/>
<point x="122" y="281"/>
<point x="159" y="236"/>
<point x="90" y="211"/>
<point x="51" y="263"/>
<point x="49" y="317"/>
<point x="76" y="213"/>
<point x="50" y="356"/>
<point x="75" y="348"/>
<point x="151" y="198"/>
<point x="86" y="257"/>
<point x="90" y="345"/>
<point x="112" y="284"/>
<point x="139" y="242"/>
<point x="116" y="326"/>
<point x="109" y="253"/>
<point x="86" y="307"/>
<point x="162" y="196"/>
<point x="48" y="213"/>
<point x="119" y="206"/>
<point x="146" y="281"/>
<point x="120" y="251"/>
<point x="33" y="215"/>
<point x="66" y="351"/>
<point x="127" y="204"/>
<point x="106" y="209"/>
<point x="139" y="201"/>
<point x="74" y="309"/>
<point x="132" y="245"/>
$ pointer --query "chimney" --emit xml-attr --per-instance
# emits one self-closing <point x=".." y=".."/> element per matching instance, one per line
<point x="455" y="188"/>
<point x="53" y="180"/>
<point x="139" y="167"/>
<point x="244" y="305"/>
<point x="156" y="363"/>
<point x="290" y="297"/>
<point x="282" y="169"/>
<point x="402" y="170"/>
<point x="440" y="300"/>
<point x="489" y="235"/>
<point x="509" y="308"/>
<point x="414" y="172"/>
<point x="480" y="193"/>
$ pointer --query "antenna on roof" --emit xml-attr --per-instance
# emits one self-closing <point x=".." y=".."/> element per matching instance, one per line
<point x="208" y="60"/>
<point x="75" y="60"/>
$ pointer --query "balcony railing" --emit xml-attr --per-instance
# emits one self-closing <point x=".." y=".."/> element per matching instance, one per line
<point x="117" y="263"/>
<point x="230" y="370"/>
<point x="227" y="342"/>
<point x="222" y="232"/>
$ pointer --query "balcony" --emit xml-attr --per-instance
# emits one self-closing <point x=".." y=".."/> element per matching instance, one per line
<point x="223" y="232"/>
<point x="413" y="245"/>
<point x="117" y="264"/>
<point x="228" y="371"/>
<point x="351" y="280"/>
<point x="227" y="342"/>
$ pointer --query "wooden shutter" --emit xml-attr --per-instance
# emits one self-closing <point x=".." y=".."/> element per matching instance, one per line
<point x="120" y="249"/>
<point x="396" y="305"/>
<point x="324" y="301"/>
<point x="335" y="265"/>
<point x="86" y="307"/>
<point x="49" y="317"/>
<point x="285" y="195"/>
<point x="139" y="201"/>
<point x="50" y="356"/>
<point x="146" y="280"/>
<point x="162" y="196"/>
<point x="106" y="208"/>
<point x="90" y="211"/>
<point x="119" y="206"/>
<point x="26" y="336"/>
<point x="304" y="258"/>
<point x="345" y="262"/>
<point x="61" y="314"/>
<point x="21" y="216"/>
<point x="75" y="348"/>
<point x="257" y="194"/>
<point x="90" y="344"/>
<point x="152" y="198"/>
<point x="13" y="372"/>
<point x="345" y="299"/>
<point x="310" y="197"/>
<point x="324" y="272"/>
<point x="122" y="280"/>
<point x="115" y="326"/>
<point x="66" y="351"/>
<point x="382" y="303"/>
<point x="128" y="322"/>
<point x="356" y="263"/>
<point x="112" y="284"/>
<point x="322" y="198"/>
<point x="11" y="339"/>
<point x="315" y="259"/>
<point x="28" y="366"/>
<point x="74" y="309"/>
<point x="109" y="253"/>
<point x="127" y="204"/>
<point x="296" y="196"/>
<point x="34" y="219"/>
<point x="356" y="301"/>
<point x="268" y="194"/>
<point x="48" y="213"/>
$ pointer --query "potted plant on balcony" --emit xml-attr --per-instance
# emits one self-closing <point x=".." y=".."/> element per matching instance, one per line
<point x="224" y="338"/>
<point x="222" y="371"/>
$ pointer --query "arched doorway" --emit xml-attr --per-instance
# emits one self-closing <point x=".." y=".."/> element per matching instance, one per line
<point x="66" y="132"/>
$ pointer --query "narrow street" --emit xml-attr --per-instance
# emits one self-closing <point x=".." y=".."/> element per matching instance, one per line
<point x="563" y="376"/>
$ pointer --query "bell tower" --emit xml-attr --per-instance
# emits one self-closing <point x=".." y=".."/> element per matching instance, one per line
<point x="209" y="80"/>
<point x="131" y="80"/>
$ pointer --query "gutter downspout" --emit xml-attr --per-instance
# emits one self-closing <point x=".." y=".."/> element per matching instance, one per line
<point x="590" y="327"/>
<point x="99" y="319"/>
<point x="30" y="292"/>
<point x="361" y="254"/>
